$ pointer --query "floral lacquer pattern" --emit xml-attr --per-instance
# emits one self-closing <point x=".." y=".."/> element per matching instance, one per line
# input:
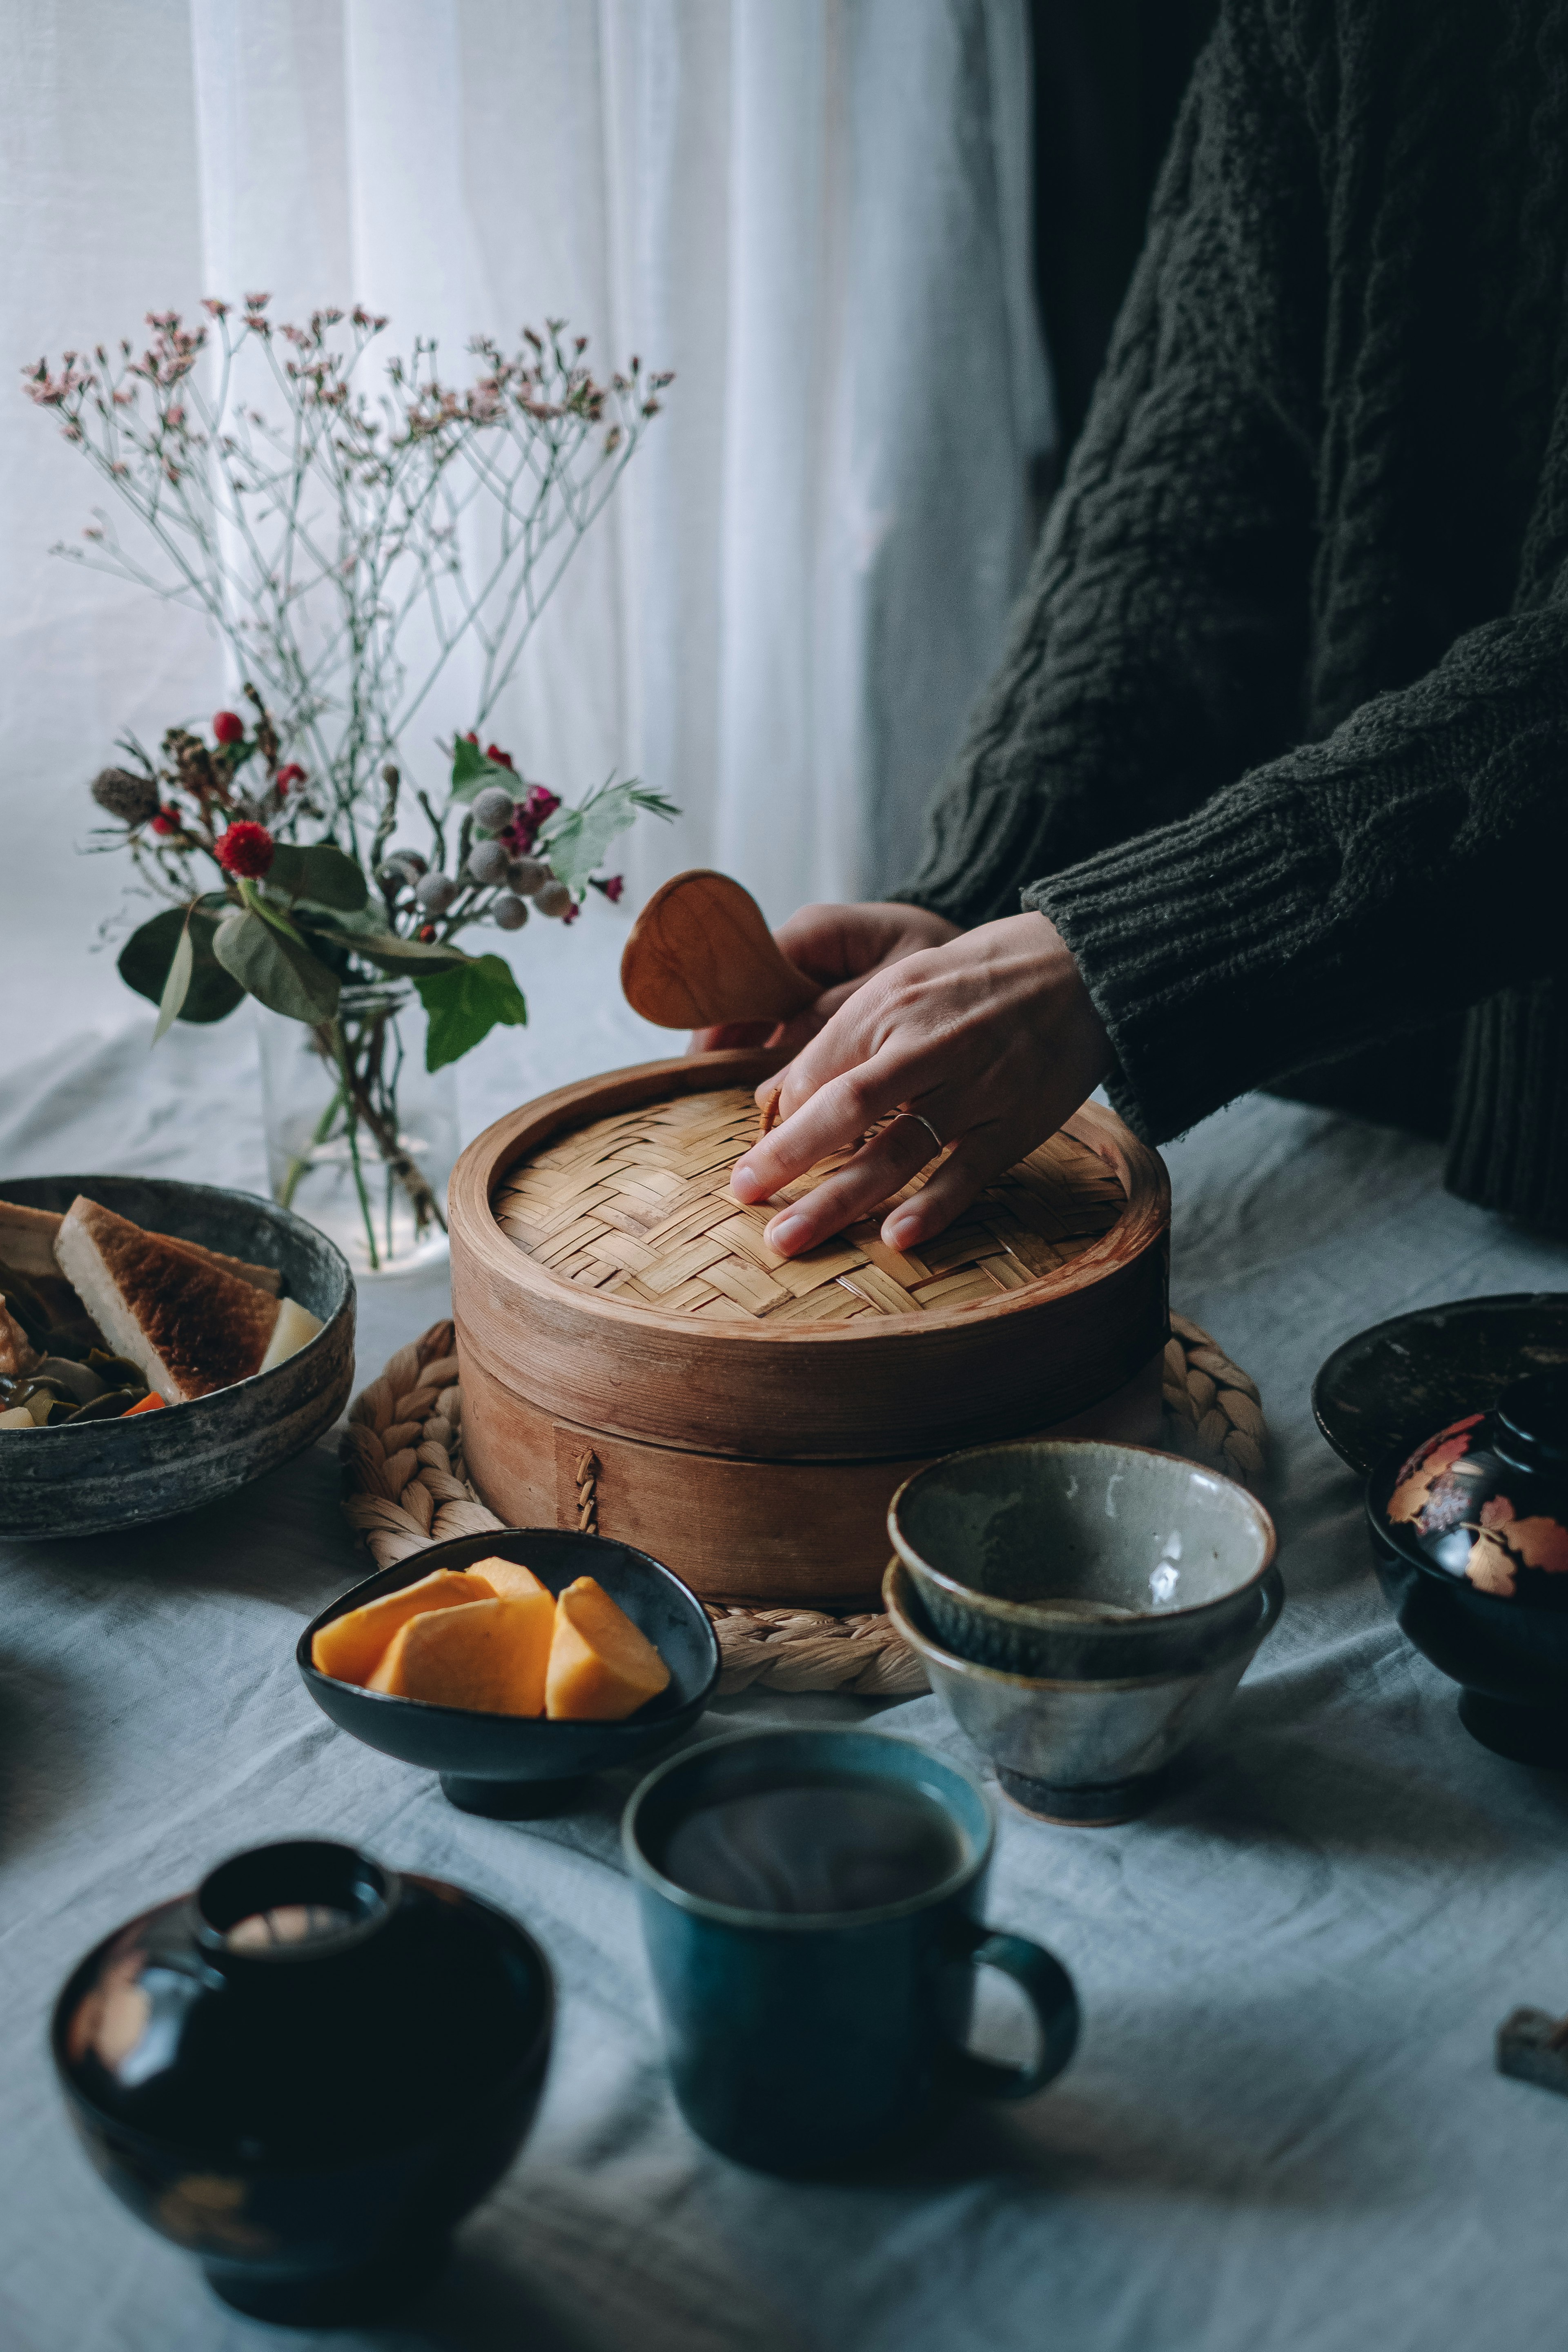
<point x="1425" y="1487"/>
<point x="1505" y="1544"/>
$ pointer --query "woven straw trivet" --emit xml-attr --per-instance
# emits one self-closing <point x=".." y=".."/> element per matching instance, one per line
<point x="405" y="1489"/>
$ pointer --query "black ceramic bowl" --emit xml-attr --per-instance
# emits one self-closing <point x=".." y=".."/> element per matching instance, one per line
<point x="1469" y="1539"/>
<point x="311" y="2103"/>
<point x="105" y="1476"/>
<point x="516" y="1767"/>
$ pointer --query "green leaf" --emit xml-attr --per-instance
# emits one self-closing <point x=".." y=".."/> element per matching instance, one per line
<point x="323" y="875"/>
<point x="466" y="1005"/>
<point x="145" y="959"/>
<point x="412" y="958"/>
<point x="177" y="986"/>
<point x="278" y="972"/>
<point x="471" y="770"/>
<point x="575" y="840"/>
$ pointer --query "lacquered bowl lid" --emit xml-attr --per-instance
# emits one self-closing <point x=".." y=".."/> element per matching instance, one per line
<point x="1485" y="1498"/>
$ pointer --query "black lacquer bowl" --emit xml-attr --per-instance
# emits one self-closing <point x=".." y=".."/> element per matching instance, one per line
<point x="305" y="2072"/>
<point x="101" y="1477"/>
<point x="1389" y="1386"/>
<point x="512" y="1767"/>
<point x="1469" y="1534"/>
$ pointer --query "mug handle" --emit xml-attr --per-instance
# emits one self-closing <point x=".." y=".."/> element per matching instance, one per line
<point x="1049" y="1992"/>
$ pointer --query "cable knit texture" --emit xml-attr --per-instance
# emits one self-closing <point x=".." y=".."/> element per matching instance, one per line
<point x="1280" y="739"/>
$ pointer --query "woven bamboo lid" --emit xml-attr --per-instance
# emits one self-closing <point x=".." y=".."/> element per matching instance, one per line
<point x="637" y="1208"/>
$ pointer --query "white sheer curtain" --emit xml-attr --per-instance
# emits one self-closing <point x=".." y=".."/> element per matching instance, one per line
<point x="815" y="211"/>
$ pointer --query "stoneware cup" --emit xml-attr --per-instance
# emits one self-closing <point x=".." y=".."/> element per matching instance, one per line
<point x="1072" y="1559"/>
<point x="805" y="2043"/>
<point x="1088" y="1753"/>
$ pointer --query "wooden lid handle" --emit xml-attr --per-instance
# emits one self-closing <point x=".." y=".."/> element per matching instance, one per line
<point x="700" y="954"/>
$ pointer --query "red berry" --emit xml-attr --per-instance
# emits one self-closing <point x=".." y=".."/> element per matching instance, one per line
<point x="228" y="727"/>
<point x="292" y="774"/>
<point x="426" y="931"/>
<point x="246" y="849"/>
<point x="613" y="888"/>
<point x="471" y="736"/>
<point x="541" y="803"/>
<point x="503" y="759"/>
<point x="166" y="820"/>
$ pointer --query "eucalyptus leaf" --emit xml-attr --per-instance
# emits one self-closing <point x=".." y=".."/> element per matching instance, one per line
<point x="177" y="986"/>
<point x="472" y="771"/>
<point x="466" y="1005"/>
<point x="412" y="958"/>
<point x="283" y="976"/>
<point x="321" y="873"/>
<point x="575" y="839"/>
<point x="344" y="923"/>
<point x="145" y="959"/>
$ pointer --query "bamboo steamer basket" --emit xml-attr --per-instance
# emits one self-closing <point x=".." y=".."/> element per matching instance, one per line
<point x="631" y="1354"/>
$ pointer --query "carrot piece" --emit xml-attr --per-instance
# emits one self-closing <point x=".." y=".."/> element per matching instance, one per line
<point x="602" y="1666"/>
<point x="150" y="1403"/>
<point x="491" y="1654"/>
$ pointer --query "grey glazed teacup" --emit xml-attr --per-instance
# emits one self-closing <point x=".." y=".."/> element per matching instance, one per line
<point x="1075" y="1559"/>
<point x="1084" y="1753"/>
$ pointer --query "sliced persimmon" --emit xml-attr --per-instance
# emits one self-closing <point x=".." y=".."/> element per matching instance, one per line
<point x="492" y="1655"/>
<point x="602" y="1666"/>
<point x="351" y="1647"/>
<point x="508" y="1579"/>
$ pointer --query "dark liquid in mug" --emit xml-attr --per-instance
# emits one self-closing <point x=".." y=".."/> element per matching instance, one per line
<point x="844" y="1843"/>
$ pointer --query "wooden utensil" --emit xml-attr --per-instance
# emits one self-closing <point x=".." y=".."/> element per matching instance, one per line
<point x="700" y="954"/>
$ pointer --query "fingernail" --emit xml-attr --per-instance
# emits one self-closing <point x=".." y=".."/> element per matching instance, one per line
<point x="900" y="1232"/>
<point x="784" y="1232"/>
<point x="744" y="1182"/>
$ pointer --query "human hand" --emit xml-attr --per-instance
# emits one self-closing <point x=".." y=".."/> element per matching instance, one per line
<point x="992" y="1037"/>
<point x="840" y="947"/>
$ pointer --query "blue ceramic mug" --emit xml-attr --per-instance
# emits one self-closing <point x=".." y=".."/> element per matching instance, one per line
<point x="804" y="2040"/>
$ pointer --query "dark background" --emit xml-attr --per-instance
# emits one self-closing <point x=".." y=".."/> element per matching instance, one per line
<point x="1108" y="76"/>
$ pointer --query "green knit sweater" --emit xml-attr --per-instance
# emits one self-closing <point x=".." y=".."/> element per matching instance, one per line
<point x="1280" y="739"/>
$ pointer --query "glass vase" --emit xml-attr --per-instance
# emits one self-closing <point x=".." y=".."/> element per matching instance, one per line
<point x="360" y="1138"/>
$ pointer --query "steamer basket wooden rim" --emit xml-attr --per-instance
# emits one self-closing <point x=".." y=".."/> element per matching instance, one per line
<point x="884" y="1387"/>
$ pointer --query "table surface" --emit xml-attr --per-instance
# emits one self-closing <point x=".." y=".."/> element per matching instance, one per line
<point x="1283" y="2128"/>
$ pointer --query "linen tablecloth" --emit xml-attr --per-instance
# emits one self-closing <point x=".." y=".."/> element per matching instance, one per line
<point x="1282" y="2129"/>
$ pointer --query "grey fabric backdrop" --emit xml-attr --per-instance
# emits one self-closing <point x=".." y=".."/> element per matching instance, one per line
<point x="1282" y="2131"/>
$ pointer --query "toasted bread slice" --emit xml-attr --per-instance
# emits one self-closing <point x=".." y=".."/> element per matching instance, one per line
<point x="188" y="1326"/>
<point x="27" y="1242"/>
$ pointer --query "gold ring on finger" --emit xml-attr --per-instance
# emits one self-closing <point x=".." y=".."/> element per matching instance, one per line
<point x="924" y="1122"/>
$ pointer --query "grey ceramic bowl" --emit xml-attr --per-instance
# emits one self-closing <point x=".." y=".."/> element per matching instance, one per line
<point x="1085" y="1754"/>
<point x="516" y="1767"/>
<point x="111" y="1474"/>
<point x="1081" y="1560"/>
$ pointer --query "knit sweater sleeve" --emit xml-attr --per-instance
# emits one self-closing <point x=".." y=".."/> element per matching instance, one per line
<point x="1407" y="867"/>
<point x="1158" y="647"/>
